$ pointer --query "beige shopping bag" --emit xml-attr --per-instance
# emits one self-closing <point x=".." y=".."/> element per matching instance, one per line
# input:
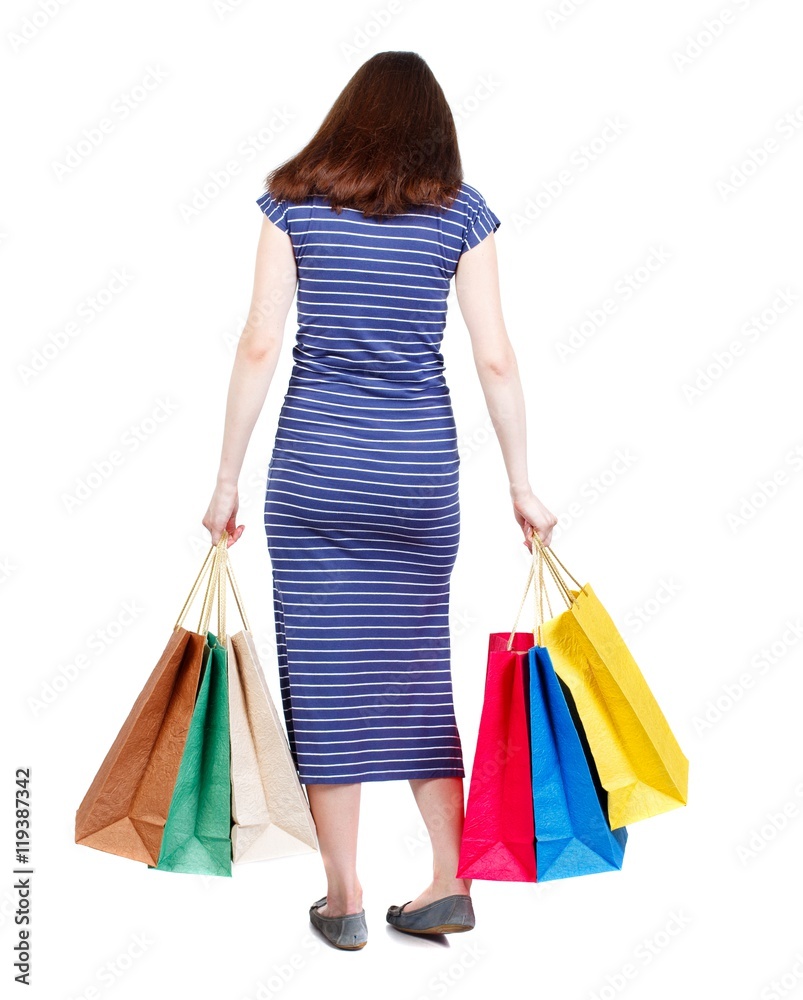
<point x="270" y="812"/>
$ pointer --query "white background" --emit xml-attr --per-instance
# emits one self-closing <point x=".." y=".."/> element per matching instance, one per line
<point x="707" y="903"/>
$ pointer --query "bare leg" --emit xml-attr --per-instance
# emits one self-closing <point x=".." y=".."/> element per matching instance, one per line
<point x="441" y="803"/>
<point x="336" y="811"/>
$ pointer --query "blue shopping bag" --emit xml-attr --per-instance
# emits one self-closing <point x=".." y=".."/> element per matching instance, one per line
<point x="572" y="835"/>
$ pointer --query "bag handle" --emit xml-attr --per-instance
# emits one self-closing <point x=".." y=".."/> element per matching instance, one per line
<point x="549" y="556"/>
<point x="209" y="564"/>
<point x="236" y="591"/>
<point x="543" y="594"/>
<point x="226" y="574"/>
<point x="543" y="555"/>
<point x="536" y="573"/>
<point x="218" y="566"/>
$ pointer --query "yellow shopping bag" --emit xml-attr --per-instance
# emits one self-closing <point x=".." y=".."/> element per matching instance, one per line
<point x="640" y="763"/>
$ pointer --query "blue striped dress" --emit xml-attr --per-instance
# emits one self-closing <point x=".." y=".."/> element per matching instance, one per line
<point x="362" y="513"/>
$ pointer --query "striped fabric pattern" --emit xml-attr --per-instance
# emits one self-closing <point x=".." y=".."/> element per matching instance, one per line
<point x="362" y="513"/>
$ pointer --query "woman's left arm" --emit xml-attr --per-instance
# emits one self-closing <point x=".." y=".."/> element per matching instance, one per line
<point x="257" y="355"/>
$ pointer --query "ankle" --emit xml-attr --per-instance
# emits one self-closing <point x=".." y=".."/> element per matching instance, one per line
<point x="342" y="899"/>
<point x="341" y="906"/>
<point x="451" y="885"/>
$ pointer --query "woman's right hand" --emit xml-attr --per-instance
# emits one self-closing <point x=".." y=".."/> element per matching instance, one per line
<point x="221" y="514"/>
<point x="531" y="515"/>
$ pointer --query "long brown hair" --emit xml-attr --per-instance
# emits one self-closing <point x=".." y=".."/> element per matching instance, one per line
<point x="387" y="144"/>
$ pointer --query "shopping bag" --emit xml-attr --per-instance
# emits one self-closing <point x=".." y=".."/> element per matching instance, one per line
<point x="238" y="796"/>
<point x="197" y="835"/>
<point x="270" y="811"/>
<point x="639" y="761"/>
<point x="498" y="841"/>
<point x="125" y="808"/>
<point x="572" y="835"/>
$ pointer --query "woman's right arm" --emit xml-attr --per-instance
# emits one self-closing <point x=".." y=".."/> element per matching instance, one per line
<point x="255" y="361"/>
<point x="477" y="288"/>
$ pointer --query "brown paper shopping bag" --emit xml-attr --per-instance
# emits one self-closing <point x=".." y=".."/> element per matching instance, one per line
<point x="125" y="808"/>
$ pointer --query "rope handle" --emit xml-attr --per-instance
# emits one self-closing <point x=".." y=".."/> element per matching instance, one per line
<point x="218" y="565"/>
<point x="209" y="564"/>
<point x="549" y="555"/>
<point x="543" y="594"/>
<point x="543" y="556"/>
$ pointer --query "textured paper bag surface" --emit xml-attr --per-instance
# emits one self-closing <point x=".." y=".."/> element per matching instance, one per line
<point x="572" y="836"/>
<point x="125" y="808"/>
<point x="197" y="836"/>
<point x="271" y="813"/>
<point x="640" y="763"/>
<point x="499" y="834"/>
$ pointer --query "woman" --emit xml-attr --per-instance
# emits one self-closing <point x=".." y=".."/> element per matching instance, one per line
<point x="370" y="221"/>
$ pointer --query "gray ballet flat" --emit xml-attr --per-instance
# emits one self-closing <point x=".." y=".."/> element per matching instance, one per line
<point x="445" y="916"/>
<point x="348" y="932"/>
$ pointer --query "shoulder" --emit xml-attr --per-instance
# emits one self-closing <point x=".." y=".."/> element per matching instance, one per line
<point x="288" y="214"/>
<point x="480" y="219"/>
<point x="275" y="210"/>
<point x="470" y="198"/>
<point x="469" y="192"/>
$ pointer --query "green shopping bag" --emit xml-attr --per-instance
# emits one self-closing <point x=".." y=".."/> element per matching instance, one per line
<point x="197" y="834"/>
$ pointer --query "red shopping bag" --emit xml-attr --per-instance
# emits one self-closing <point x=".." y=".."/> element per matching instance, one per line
<point x="499" y="833"/>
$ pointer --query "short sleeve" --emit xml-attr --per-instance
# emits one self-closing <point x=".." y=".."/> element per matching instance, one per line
<point x="275" y="210"/>
<point x="481" y="221"/>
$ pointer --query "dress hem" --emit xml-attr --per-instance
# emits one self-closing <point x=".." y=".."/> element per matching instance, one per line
<point x="441" y="772"/>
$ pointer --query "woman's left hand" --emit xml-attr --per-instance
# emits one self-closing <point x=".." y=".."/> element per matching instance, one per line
<point x="222" y="514"/>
